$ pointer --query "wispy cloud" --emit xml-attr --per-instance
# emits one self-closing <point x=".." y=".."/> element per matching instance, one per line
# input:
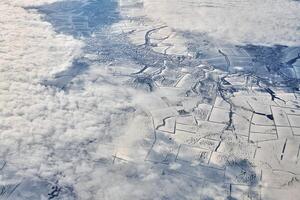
<point x="265" y="22"/>
<point x="91" y="141"/>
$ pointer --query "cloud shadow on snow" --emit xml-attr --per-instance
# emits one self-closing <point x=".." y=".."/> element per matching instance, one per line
<point x="79" y="19"/>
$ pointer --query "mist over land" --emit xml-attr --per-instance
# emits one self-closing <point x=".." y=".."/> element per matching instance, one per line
<point x="148" y="99"/>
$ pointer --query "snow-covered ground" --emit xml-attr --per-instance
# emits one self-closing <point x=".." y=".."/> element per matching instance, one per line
<point x="146" y="99"/>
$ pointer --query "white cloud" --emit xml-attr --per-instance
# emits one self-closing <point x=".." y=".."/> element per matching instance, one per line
<point x="48" y="134"/>
<point x="266" y="22"/>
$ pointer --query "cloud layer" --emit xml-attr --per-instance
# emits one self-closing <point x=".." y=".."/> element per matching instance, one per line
<point x="58" y="144"/>
<point x="91" y="139"/>
<point x="265" y="22"/>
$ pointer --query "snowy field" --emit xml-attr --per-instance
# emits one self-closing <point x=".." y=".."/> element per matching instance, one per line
<point x="149" y="100"/>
